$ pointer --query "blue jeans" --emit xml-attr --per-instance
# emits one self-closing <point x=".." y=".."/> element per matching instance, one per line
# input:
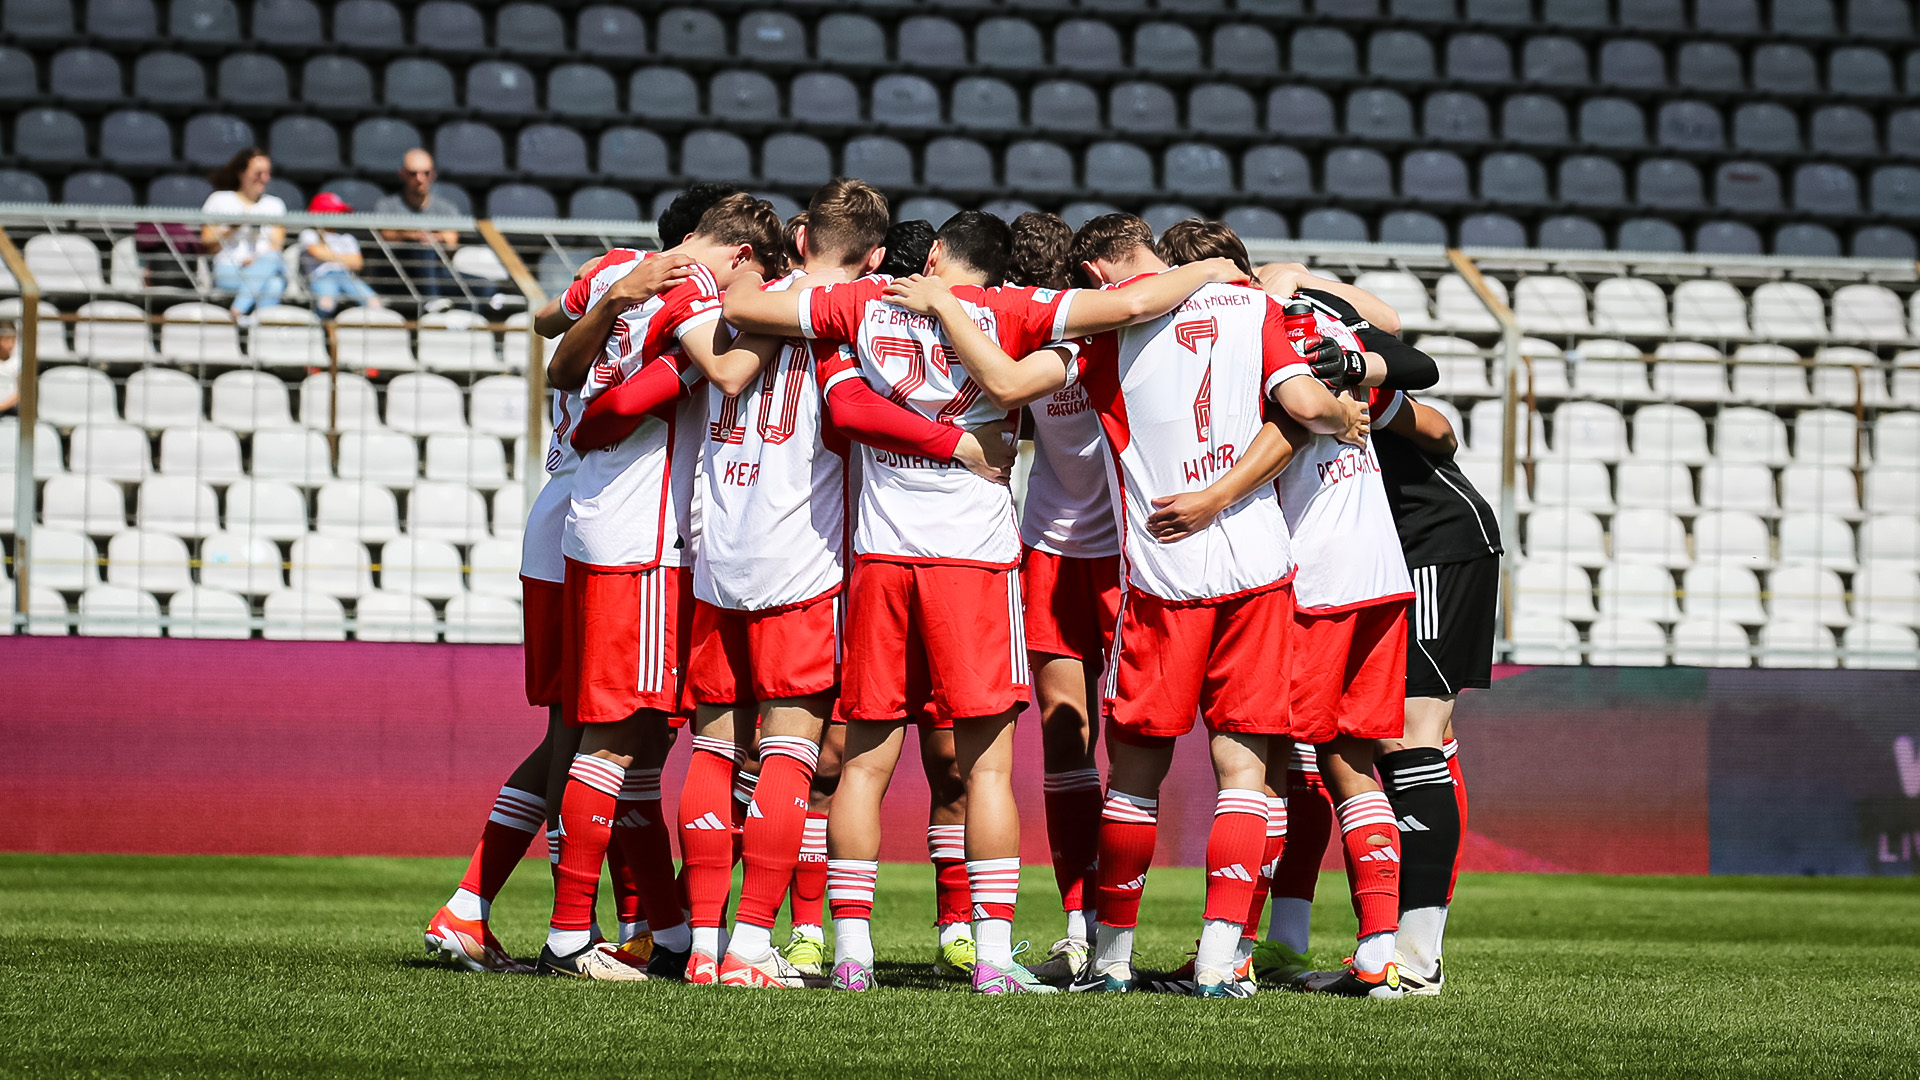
<point x="259" y="282"/>
<point x="331" y="288"/>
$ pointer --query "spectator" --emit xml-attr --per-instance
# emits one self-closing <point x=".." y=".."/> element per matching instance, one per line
<point x="331" y="261"/>
<point x="246" y="260"/>
<point x="425" y="263"/>
<point x="9" y="371"/>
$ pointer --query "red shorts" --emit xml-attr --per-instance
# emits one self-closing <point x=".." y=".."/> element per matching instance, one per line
<point x="1072" y="603"/>
<point x="1227" y="661"/>
<point x="746" y="656"/>
<point x="626" y="643"/>
<point x="932" y="638"/>
<point x="543" y="608"/>
<point x="1350" y="673"/>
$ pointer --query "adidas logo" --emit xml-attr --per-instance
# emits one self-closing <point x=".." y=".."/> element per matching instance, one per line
<point x="708" y="822"/>
<point x="753" y="810"/>
<point x="633" y="819"/>
<point x="1412" y="824"/>
<point x="1271" y="868"/>
<point x="1136" y="884"/>
<point x="1380" y="855"/>
<point x="1236" y="872"/>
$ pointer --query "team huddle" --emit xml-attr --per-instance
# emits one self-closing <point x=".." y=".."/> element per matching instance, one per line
<point x="779" y="513"/>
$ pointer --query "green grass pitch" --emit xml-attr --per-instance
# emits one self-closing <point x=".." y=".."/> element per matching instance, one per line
<point x="146" y="967"/>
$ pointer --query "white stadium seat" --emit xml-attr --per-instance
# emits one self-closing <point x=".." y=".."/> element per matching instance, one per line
<point x="1545" y="639"/>
<point x="1797" y="643"/>
<point x="53" y="332"/>
<point x="385" y="616"/>
<point x="1723" y="592"/>
<point x="417" y="567"/>
<point x="1893" y="490"/>
<point x="1890" y="538"/>
<point x="498" y="406"/>
<point x="1799" y="591"/>
<point x="47" y="614"/>
<point x="443" y="511"/>
<point x="1403" y="292"/>
<point x="1828" y="437"/>
<point x="201" y="612"/>
<point x="70" y="396"/>
<point x="1462" y="364"/>
<point x="295" y="454"/>
<point x="287" y="336"/>
<point x="1638" y="590"/>
<point x="1654" y="485"/>
<point x="1558" y="481"/>
<point x="249" y="401"/>
<point x="1573" y="535"/>
<point x="1879" y="645"/>
<point x="161" y="398"/>
<point x="1484" y="474"/>
<point x="1611" y="379"/>
<point x="1670" y="433"/>
<point x="475" y="619"/>
<point x="1888" y="592"/>
<point x="479" y="460"/>
<point x="274" y="509"/>
<point x="1816" y="539"/>
<point x="1485" y="422"/>
<point x="1707" y="643"/>
<point x="1896" y="439"/>
<point x="1738" y="486"/>
<point x="1650" y="536"/>
<point x="1626" y="642"/>
<point x="291" y="615"/>
<point x="516" y="340"/>
<point x="1904" y="382"/>
<point x="63" y="559"/>
<point x="46" y="449"/>
<point x="1750" y="435"/>
<point x="379" y="456"/>
<point x="1545" y="372"/>
<point x="1545" y="586"/>
<point x="1634" y="307"/>
<point x="373" y="339"/>
<point x="85" y="504"/>
<point x="496" y="569"/>
<point x="241" y="563"/>
<point x="64" y="262"/>
<point x="118" y="611"/>
<point x="179" y="505"/>
<point x="359" y="404"/>
<point x="1868" y="313"/>
<point x="1548" y="304"/>
<point x="1827" y="489"/>
<point x="457" y="341"/>
<point x="154" y="561"/>
<point x="1734" y="537"/>
<point x="1788" y="310"/>
<point x="111" y="450"/>
<point x="1689" y="371"/>
<point x="424" y="404"/>
<point x="1709" y="309"/>
<point x="334" y="565"/>
<point x="113" y="330"/>
<point x="203" y="452"/>
<point x="1457" y="307"/>
<point x="510" y="512"/>
<point x="1589" y="431"/>
<point x="357" y="510"/>
<point x="1770" y="375"/>
<point x="1847" y="377"/>
<point x="197" y="333"/>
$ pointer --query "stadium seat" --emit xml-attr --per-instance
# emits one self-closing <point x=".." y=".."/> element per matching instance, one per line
<point x="1797" y="643"/>
<point x="470" y="148"/>
<point x="1724" y="592"/>
<point x="287" y="22"/>
<point x="1610" y="370"/>
<point x="1736" y="537"/>
<point x="1642" y="535"/>
<point x="1743" y="434"/>
<point x="292" y="615"/>
<point x="177" y="505"/>
<point x="118" y="611"/>
<point x="456" y="341"/>
<point x="152" y="561"/>
<point x="1868" y="313"/>
<point x="1710" y="309"/>
<point x="1560" y="481"/>
<point x="1570" y="534"/>
<point x="1485" y="422"/>
<point x="64" y="559"/>
<point x="1545" y="304"/>
<point x="202" y="451"/>
<point x="1626" y="642"/>
<point x="1637" y="590"/>
<point x="1545" y="639"/>
<point x="1828" y="489"/>
<point x="510" y="512"/>
<point x="159" y="398"/>
<point x="87" y="504"/>
<point x="1890" y="538"/>
<point x="1743" y="486"/>
<point x="476" y="619"/>
<point x="76" y="395"/>
<point x="1846" y="376"/>
<point x="240" y="562"/>
<point x="1788" y="310"/>
<point x="445" y="511"/>
<point x="1546" y="586"/>
<point x="472" y="459"/>
<point x="1888" y="592"/>
<point x="1655" y="485"/>
<point x="110" y="450"/>
<point x="386" y="616"/>
<point x="498" y="405"/>
<point x="1896" y="439"/>
<point x="1454" y="116"/>
<point x="1630" y="306"/>
<point x="1879" y="645"/>
<point x="380" y="456"/>
<point x="274" y="509"/>
<point x="1810" y="593"/>
<point x="425" y="404"/>
<point x="1589" y="431"/>
<point x="287" y="336"/>
<point x="1816" y="539"/>
<point x="416" y="567"/>
<point x="201" y="612"/>
<point x="1711" y="643"/>
<point x="332" y="565"/>
<point x="197" y="333"/>
<point x="1827" y="437"/>
<point x="1457" y="307"/>
<point x="495" y="569"/>
<point x="248" y="401"/>
<point x="297" y="455"/>
<point x="113" y="330"/>
<point x="357" y="510"/>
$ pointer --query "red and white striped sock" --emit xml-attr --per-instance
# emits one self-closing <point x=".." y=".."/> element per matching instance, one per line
<point x="1234" y="844"/>
<point x="517" y="817"/>
<point x="706" y="829"/>
<point x="1129" y="825"/>
<point x="646" y="847"/>
<point x="810" y="876"/>
<point x="850" y="885"/>
<point x="994" y="886"/>
<point x="1270" y="857"/>
<point x="1451" y="748"/>
<point x="1073" y="833"/>
<point x="1372" y="841"/>
<point x="947" y="849"/>
<point x="586" y="828"/>
<point x="775" y="825"/>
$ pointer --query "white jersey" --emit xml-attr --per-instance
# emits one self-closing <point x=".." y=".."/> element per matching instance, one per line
<point x="632" y="501"/>
<point x="1181" y="398"/>
<point x="541" y="557"/>
<point x="774" y="487"/>
<point x="1069" y="507"/>
<point x="911" y="508"/>
<point x="1339" y="517"/>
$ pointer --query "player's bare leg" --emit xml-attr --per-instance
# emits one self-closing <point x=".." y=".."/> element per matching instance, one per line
<point x="1371" y="839"/>
<point x="1420" y="784"/>
<point x="788" y="750"/>
<point x="1066" y="689"/>
<point x="806" y="947"/>
<point x="1129" y="824"/>
<point x="947" y="850"/>
<point x="853" y="845"/>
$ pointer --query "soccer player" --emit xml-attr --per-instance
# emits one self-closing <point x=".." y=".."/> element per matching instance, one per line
<point x="627" y="546"/>
<point x="1204" y="622"/>
<point x="936" y="570"/>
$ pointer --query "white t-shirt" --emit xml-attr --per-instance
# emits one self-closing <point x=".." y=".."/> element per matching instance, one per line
<point x="337" y="242"/>
<point x="1069" y="509"/>
<point x="246" y="242"/>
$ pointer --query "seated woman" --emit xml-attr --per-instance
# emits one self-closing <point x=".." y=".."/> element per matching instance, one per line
<point x="246" y="258"/>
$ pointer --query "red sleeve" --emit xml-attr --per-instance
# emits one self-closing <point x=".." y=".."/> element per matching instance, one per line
<point x="1277" y="354"/>
<point x="833" y="312"/>
<point x="578" y="294"/>
<point x="864" y="416"/>
<point x="833" y="363"/>
<point x="1028" y="318"/>
<point x="615" y="414"/>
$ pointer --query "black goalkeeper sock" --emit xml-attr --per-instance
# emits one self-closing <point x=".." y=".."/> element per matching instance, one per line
<point x="1420" y="789"/>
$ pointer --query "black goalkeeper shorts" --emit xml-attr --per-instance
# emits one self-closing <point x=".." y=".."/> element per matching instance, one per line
<point x="1450" y="627"/>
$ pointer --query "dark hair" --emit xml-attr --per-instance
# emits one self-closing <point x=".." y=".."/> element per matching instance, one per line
<point x="1193" y="240"/>
<point x="683" y="214"/>
<point x="846" y="220"/>
<point x="790" y="235"/>
<point x="907" y="244"/>
<point x="1040" y="250"/>
<point x="743" y="219"/>
<point x="227" y="177"/>
<point x="1107" y="237"/>
<point x="980" y="240"/>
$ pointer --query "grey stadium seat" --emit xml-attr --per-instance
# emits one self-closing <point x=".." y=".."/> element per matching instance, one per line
<point x="789" y="158"/>
<point x="1535" y="119"/>
<point x="1709" y="65"/>
<point x="855" y="39"/>
<point x="1513" y="179"/>
<point x="1220" y="107"/>
<point x="631" y="153"/>
<point x="663" y="94"/>
<point x="1076" y="214"/>
<point x="287" y="22"/>
<point x="1492" y="230"/>
<point x="1348" y="9"/>
<point x="1117" y="168"/>
<point x="1784" y="69"/>
<point x="1437" y="176"/>
<point x="610" y="30"/>
<point x="122" y="20"/>
<point x="1803" y="18"/>
<point x="1480" y="58"/>
<point x="1412" y="227"/>
<point x="1727" y="238"/>
<point x="1884" y="242"/>
<point x="819" y="97"/>
<point x="923" y="41"/>
<point x="369" y="24"/>
<point x="286" y="191"/>
<point x="1632" y="64"/>
<point x="49" y="135"/>
<point x="1502" y="12"/>
<point x="907" y="101"/>
<point x="469" y="148"/>
<point x="86" y="189"/>
<point x="602" y="204"/>
<point x="743" y="96"/>
<point x="1669" y="184"/>
<point x="1859" y="70"/>
<point x="1276" y="172"/>
<point x="534" y="29"/>
<point x="1256" y="223"/>
<point x="1843" y="130"/>
<point x="1767" y="128"/>
<point x="521" y="200"/>
<point x="1456" y="116"/>
<point x="1322" y="52"/>
<point x="1653" y="14"/>
<point x="1578" y="13"/>
<point x="985" y="104"/>
<point x="1142" y="106"/>
<point x="449" y="26"/>
<point x="1879" y="18"/>
<point x="1300" y="111"/>
<point x="715" y="155"/>
<point x="253" y="79"/>
<point x="878" y="160"/>
<point x="1587" y="180"/>
<point x="1895" y="190"/>
<point x="1820" y="188"/>
<point x="413" y="83"/>
<point x="1400" y="54"/>
<point x="169" y="77"/>
<point x="1570" y="233"/>
<point x="1423" y="10"/>
<point x="1162" y="216"/>
<point x="1555" y="61"/>
<point x="1196" y="169"/>
<point x="39" y="18"/>
<point x="1244" y="50"/>
<point x="1007" y="209"/>
<point x="304" y="144"/>
<point x="691" y="33"/>
<point x="1031" y="165"/>
<point x="551" y="150"/>
<point x="19" y="75"/>
<point x="1903" y="133"/>
<point x="1358" y="173"/>
<point x="1649" y="234"/>
<point x="358" y="193"/>
<point x="1008" y="43"/>
<point x="182" y="192"/>
<point x="501" y="86"/>
<point x="1728" y="16"/>
<point x="1058" y="105"/>
<point x="1688" y="125"/>
<point x="132" y="137"/>
<point x="84" y="75"/>
<point x="1379" y="114"/>
<point x="582" y="90"/>
<point x="1329" y="223"/>
<point x="951" y="164"/>
<point x="1613" y="122"/>
<point x="379" y="144"/>
<point x="1164" y="46"/>
<point x="1746" y="186"/>
<point x="921" y="208"/>
<point x="336" y="82"/>
<point x="1086" y="45"/>
<point x="772" y="36"/>
<point x="204" y="20"/>
<point x="1802" y="238"/>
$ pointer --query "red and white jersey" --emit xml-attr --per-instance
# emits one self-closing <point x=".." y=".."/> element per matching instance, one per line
<point x="580" y="295"/>
<point x="774" y="491"/>
<point x="632" y="501"/>
<point x="911" y="508"/>
<point x="541" y="557"/>
<point x="1339" y="517"/>
<point x="1181" y="398"/>
<point x="1069" y="508"/>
